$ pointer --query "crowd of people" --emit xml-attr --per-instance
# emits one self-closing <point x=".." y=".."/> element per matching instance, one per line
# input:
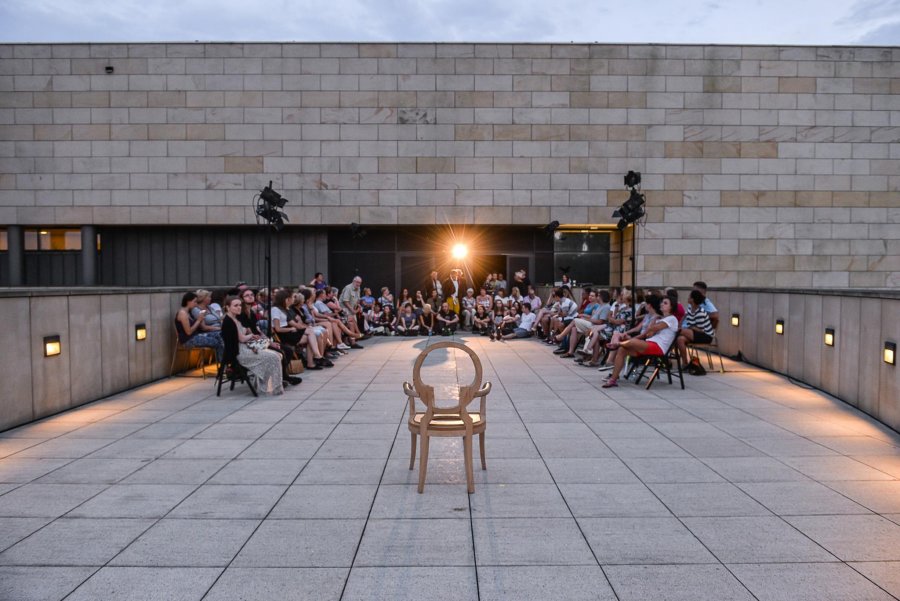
<point x="317" y="324"/>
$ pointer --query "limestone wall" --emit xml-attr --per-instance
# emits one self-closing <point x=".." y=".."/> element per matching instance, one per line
<point x="763" y="166"/>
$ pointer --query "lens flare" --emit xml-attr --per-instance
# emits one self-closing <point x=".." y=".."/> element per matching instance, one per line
<point x="460" y="251"/>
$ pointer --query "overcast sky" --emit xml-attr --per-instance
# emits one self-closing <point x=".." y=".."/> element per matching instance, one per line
<point x="833" y="22"/>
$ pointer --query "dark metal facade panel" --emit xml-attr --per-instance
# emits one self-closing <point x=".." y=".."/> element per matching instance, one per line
<point x="208" y="256"/>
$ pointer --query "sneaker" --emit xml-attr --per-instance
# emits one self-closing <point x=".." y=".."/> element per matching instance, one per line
<point x="295" y="380"/>
<point x="605" y="368"/>
<point x="342" y="347"/>
<point x="561" y="351"/>
<point x="611" y="383"/>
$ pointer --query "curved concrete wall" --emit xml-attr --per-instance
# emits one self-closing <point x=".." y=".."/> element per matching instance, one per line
<point x="852" y="369"/>
<point x="100" y="355"/>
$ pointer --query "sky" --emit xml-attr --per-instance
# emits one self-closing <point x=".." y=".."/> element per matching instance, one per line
<point x="801" y="22"/>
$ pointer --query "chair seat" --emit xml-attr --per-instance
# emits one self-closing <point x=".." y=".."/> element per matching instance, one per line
<point x="443" y="421"/>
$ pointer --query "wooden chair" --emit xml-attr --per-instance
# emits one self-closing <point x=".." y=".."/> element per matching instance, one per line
<point x="662" y="363"/>
<point x="205" y="355"/>
<point x="446" y="421"/>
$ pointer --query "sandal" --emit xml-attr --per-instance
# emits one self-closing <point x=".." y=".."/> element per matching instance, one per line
<point x="566" y="356"/>
<point x="589" y="364"/>
<point x="611" y="383"/>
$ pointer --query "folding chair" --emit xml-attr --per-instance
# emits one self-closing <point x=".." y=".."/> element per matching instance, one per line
<point x="234" y="372"/>
<point x="205" y="355"/>
<point x="662" y="362"/>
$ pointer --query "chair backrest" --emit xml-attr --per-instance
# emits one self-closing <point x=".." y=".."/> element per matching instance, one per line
<point x="466" y="392"/>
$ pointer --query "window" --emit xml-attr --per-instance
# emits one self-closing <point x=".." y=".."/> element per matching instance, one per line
<point x="4" y="241"/>
<point x="53" y="239"/>
<point x="583" y="254"/>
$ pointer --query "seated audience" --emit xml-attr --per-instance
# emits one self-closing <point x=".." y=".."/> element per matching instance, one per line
<point x="697" y="326"/>
<point x="190" y="333"/>
<point x="447" y="319"/>
<point x="427" y="321"/>
<point x="481" y="321"/>
<point x="656" y="341"/>
<point x="407" y="322"/>
<point x="525" y="326"/>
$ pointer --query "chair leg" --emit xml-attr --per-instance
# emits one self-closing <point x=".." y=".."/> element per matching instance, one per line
<point x="709" y="359"/>
<point x="249" y="382"/>
<point x="174" y="355"/>
<point x="680" y="375"/>
<point x="220" y="375"/>
<point x="412" y="450"/>
<point x="481" y="448"/>
<point x="423" y="462"/>
<point x="470" y="476"/>
<point x="721" y="364"/>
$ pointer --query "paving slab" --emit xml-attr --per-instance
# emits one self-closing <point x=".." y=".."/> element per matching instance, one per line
<point x="194" y="543"/>
<point x="643" y="541"/>
<point x="302" y="544"/>
<point x="416" y="542"/>
<point x="538" y="583"/>
<point x="807" y="582"/>
<point x="676" y="583"/>
<point x="40" y="583"/>
<point x="283" y="584"/>
<point x="75" y="542"/>
<point x="147" y="584"/>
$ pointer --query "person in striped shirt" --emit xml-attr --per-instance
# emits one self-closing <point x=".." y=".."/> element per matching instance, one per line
<point x="696" y="327"/>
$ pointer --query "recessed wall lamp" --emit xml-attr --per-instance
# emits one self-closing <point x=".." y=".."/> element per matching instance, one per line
<point x="52" y="346"/>
<point x="779" y="327"/>
<point x="140" y="331"/>
<point x="735" y="319"/>
<point x="890" y="353"/>
<point x="110" y="69"/>
<point x="829" y="336"/>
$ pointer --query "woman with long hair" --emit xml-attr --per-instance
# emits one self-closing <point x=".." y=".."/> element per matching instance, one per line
<point x="656" y="340"/>
<point x="263" y="364"/>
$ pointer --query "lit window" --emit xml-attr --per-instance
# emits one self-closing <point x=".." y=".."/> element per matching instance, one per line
<point x="53" y="239"/>
<point x="4" y="241"/>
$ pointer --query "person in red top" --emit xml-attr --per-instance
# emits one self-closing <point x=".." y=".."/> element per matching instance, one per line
<point x="678" y="309"/>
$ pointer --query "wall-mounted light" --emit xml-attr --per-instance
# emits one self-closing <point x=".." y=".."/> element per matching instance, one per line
<point x="779" y="326"/>
<point x="735" y="319"/>
<point x="829" y="336"/>
<point x="110" y="69"/>
<point x="140" y="331"/>
<point x="890" y="353"/>
<point x="52" y="346"/>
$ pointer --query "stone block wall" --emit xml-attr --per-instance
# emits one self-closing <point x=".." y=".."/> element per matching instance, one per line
<point x="763" y="166"/>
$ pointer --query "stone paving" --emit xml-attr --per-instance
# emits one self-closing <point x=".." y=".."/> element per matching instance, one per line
<point x="742" y="486"/>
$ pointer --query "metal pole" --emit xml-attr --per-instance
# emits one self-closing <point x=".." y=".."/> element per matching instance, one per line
<point x="634" y="236"/>
<point x="269" y="280"/>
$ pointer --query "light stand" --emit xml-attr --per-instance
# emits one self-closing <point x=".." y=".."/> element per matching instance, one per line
<point x="629" y="214"/>
<point x="268" y="214"/>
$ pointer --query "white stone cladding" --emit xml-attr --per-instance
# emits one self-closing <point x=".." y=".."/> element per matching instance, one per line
<point x="763" y="166"/>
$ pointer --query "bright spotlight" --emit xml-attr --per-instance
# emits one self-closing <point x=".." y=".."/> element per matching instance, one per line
<point x="459" y="251"/>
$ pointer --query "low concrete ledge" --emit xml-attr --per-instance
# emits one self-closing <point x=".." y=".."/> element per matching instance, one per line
<point x="100" y="354"/>
<point x="852" y="369"/>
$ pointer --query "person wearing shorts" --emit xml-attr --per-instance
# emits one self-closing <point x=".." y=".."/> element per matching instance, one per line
<point x="659" y="337"/>
<point x="697" y="326"/>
